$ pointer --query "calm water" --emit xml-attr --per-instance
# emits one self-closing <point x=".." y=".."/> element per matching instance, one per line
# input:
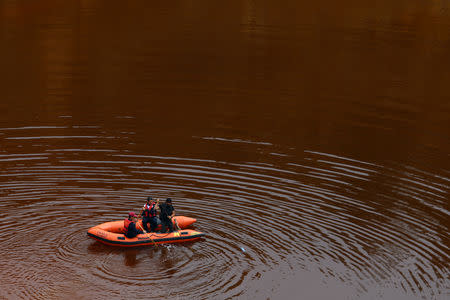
<point x="310" y="140"/>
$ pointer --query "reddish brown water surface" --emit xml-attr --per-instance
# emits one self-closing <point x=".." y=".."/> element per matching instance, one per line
<point x="310" y="140"/>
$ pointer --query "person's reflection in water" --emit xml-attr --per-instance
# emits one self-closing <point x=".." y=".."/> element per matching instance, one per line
<point x="167" y="260"/>
<point x="130" y="259"/>
<point x="130" y="255"/>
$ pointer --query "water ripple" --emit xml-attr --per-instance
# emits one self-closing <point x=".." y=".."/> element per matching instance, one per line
<point x="322" y="212"/>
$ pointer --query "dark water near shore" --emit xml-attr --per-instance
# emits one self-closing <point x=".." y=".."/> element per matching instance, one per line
<point x="310" y="140"/>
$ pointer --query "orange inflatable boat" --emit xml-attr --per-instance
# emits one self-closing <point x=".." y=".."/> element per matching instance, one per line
<point x="111" y="233"/>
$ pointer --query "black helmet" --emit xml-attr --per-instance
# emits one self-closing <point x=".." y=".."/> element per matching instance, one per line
<point x="168" y="200"/>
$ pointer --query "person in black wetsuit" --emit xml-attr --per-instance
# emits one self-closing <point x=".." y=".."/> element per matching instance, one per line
<point x="149" y="215"/>
<point x="167" y="212"/>
<point x="129" y="226"/>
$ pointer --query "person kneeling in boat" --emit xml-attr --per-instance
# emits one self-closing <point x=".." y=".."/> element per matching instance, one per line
<point x="129" y="226"/>
<point x="148" y="213"/>
<point x="167" y="212"/>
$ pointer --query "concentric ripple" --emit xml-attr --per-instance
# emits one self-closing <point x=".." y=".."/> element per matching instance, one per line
<point x="374" y="229"/>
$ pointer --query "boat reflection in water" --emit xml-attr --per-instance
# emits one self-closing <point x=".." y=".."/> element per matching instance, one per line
<point x="308" y="139"/>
